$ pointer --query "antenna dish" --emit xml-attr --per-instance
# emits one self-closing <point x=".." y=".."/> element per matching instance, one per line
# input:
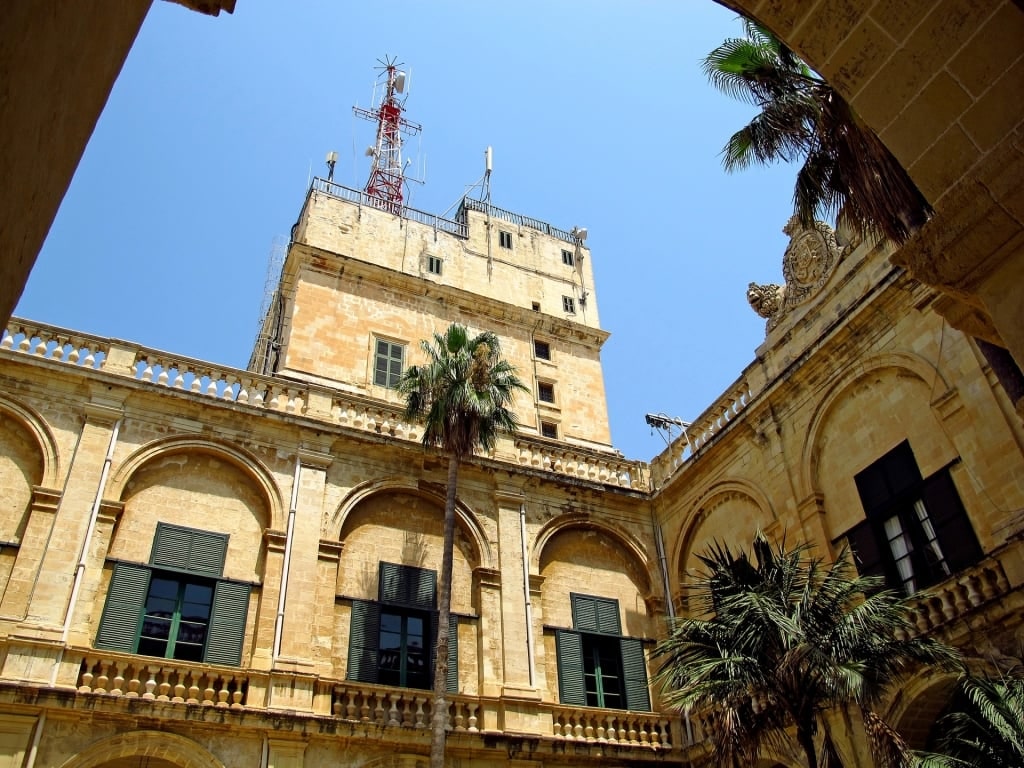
<point x="580" y="233"/>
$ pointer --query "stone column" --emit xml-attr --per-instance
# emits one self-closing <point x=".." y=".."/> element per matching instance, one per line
<point x="516" y="663"/>
<point x="52" y="591"/>
<point x="14" y="603"/>
<point x="487" y="588"/>
<point x="84" y="622"/>
<point x="302" y="577"/>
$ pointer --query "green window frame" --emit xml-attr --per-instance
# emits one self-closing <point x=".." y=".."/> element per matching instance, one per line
<point x="389" y="360"/>
<point x="597" y="665"/>
<point x="177" y="606"/>
<point x="392" y="640"/>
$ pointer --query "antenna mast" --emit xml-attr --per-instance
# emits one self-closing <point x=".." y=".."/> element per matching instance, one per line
<point x="387" y="174"/>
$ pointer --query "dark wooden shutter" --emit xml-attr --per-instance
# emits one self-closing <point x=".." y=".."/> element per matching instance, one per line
<point x="634" y="675"/>
<point x="452" y="681"/>
<point x="126" y="598"/>
<point x="948" y="517"/>
<point x="595" y="614"/>
<point x="407" y="585"/>
<point x="363" y="641"/>
<point x="226" y="633"/>
<point x="569" y="653"/>
<point x="188" y="549"/>
<point x="865" y="547"/>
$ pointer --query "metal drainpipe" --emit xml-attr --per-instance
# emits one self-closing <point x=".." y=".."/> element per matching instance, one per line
<point x="76" y="586"/>
<point x="659" y="543"/>
<point x="34" y="749"/>
<point x="526" y="594"/>
<point x="282" y="598"/>
<point x="265" y="752"/>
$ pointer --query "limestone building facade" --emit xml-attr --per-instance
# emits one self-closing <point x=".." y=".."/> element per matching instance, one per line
<point x="203" y="566"/>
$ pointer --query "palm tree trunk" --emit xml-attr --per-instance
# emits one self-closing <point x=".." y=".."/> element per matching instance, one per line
<point x="439" y="721"/>
<point x="804" y="735"/>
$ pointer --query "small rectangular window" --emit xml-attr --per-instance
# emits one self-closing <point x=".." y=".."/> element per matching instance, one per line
<point x="545" y="392"/>
<point x="541" y="350"/>
<point x="567" y="258"/>
<point x="505" y="239"/>
<point x="434" y="265"/>
<point x="569" y="305"/>
<point x="387" y="366"/>
<point x="536" y="306"/>
<point x="549" y="429"/>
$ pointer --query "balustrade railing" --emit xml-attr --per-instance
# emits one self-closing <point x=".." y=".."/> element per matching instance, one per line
<point x="55" y="344"/>
<point x="960" y="594"/>
<point x="601" y="726"/>
<point x="160" y="680"/>
<point x="719" y="415"/>
<point x="590" y="465"/>
<point x="361" y="198"/>
<point x="400" y="707"/>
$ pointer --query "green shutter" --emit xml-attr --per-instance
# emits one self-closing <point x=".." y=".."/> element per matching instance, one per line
<point x="188" y="549"/>
<point x="363" y="641"/>
<point x="595" y="614"/>
<point x="226" y="633"/>
<point x="634" y="673"/>
<point x="569" y="652"/>
<point x="407" y="585"/>
<point x="126" y="597"/>
<point x="452" y="681"/>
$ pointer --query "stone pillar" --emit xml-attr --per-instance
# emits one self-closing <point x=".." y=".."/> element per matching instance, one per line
<point x="515" y="659"/>
<point x="57" y="571"/>
<point x="15" y="733"/>
<point x="812" y="525"/>
<point x="84" y="622"/>
<point x="302" y="576"/>
<point x="42" y="511"/>
<point x="286" y="754"/>
<point x="487" y="589"/>
<point x="266" y="615"/>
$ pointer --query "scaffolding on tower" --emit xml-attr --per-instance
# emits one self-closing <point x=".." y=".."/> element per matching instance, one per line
<point x="387" y="173"/>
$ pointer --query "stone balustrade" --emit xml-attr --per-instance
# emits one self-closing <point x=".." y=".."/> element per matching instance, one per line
<point x="608" y="469"/>
<point x="958" y="595"/>
<point x="603" y="726"/>
<point x="244" y="388"/>
<point x="132" y="677"/>
<point x="55" y="344"/>
<point x="400" y="707"/>
<point x="719" y="415"/>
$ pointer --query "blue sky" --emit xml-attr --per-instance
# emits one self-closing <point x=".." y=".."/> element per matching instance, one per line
<point x="599" y="116"/>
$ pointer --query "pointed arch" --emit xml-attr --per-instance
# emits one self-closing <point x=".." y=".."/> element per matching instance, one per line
<point x="36" y="426"/>
<point x="465" y="518"/>
<point x="239" y="458"/>
<point x="171" y="747"/>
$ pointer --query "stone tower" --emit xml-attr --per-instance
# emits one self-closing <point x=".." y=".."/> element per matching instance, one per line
<point x="361" y="286"/>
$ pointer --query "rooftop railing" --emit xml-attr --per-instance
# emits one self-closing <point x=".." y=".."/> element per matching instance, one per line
<point x="457" y="228"/>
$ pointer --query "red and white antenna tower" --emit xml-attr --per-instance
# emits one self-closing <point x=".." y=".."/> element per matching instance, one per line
<point x="387" y="174"/>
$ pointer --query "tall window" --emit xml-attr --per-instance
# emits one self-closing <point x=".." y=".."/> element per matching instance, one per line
<point x="567" y="258"/>
<point x="392" y="639"/>
<point x="504" y="239"/>
<point x="917" y="532"/>
<point x="388" y="363"/>
<point x="545" y="391"/>
<point x="178" y="606"/>
<point x="597" y="665"/>
<point x="541" y="349"/>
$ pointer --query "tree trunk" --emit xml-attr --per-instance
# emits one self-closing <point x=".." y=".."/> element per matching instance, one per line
<point x="439" y="720"/>
<point x="806" y="739"/>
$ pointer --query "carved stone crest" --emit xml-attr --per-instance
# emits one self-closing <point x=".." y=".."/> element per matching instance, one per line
<point x="807" y="264"/>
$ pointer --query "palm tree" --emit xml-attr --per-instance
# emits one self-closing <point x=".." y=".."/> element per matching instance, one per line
<point x="987" y="731"/>
<point x="464" y="394"/>
<point x="772" y="645"/>
<point x="846" y="166"/>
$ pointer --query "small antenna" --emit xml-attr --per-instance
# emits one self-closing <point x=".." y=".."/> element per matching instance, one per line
<point x="664" y="424"/>
<point x="488" y="165"/>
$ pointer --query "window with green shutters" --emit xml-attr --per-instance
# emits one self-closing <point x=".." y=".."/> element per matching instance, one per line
<point x="597" y="665"/>
<point x="392" y="639"/>
<point x="177" y="607"/>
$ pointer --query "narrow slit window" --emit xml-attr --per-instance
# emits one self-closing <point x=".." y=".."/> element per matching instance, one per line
<point x="434" y="265"/>
<point x="567" y="258"/>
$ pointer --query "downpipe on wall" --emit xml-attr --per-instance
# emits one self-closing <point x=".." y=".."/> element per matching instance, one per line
<point x="526" y="595"/>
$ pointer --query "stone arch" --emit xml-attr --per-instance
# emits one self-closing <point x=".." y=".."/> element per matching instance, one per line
<point x="918" y="704"/>
<point x="32" y="423"/>
<point x="575" y="553"/>
<point x="168" y="747"/>
<point x="739" y="493"/>
<point x="465" y="519"/>
<point x="197" y="483"/>
<point x="888" y="369"/>
<point x="242" y="460"/>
